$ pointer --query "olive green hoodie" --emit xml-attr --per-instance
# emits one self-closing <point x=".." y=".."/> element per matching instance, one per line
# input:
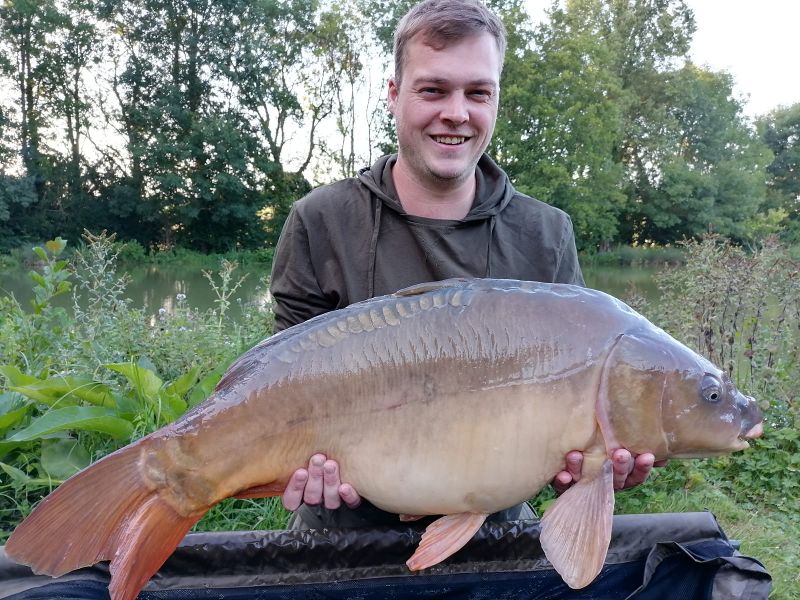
<point x="352" y="240"/>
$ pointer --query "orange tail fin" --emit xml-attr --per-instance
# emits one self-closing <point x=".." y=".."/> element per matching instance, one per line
<point x="105" y="512"/>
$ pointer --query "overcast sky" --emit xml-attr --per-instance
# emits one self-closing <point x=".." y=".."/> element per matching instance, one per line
<point x="757" y="41"/>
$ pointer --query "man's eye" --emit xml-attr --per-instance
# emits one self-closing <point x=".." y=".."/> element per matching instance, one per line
<point x="482" y="94"/>
<point x="431" y="90"/>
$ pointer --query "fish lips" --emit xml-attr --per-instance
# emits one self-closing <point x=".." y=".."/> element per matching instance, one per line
<point x="752" y="423"/>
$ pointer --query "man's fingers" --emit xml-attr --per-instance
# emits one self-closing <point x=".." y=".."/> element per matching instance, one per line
<point x="642" y="466"/>
<point x="331" y="485"/>
<point x="623" y="465"/>
<point x="349" y="495"/>
<point x="293" y="494"/>
<point x="313" y="491"/>
<point x="561" y="482"/>
<point x="575" y="465"/>
<point x="571" y="473"/>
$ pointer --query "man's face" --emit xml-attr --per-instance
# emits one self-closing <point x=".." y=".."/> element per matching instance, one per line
<point x="445" y="107"/>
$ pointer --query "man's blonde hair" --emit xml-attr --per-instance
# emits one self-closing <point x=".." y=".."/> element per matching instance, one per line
<point x="441" y="22"/>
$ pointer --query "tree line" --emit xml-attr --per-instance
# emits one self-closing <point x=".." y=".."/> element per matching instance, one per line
<point x="198" y="122"/>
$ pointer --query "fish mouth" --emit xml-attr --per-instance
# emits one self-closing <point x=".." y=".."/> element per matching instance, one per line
<point x="754" y="432"/>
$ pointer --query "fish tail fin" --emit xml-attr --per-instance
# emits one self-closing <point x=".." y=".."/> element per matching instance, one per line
<point x="105" y="512"/>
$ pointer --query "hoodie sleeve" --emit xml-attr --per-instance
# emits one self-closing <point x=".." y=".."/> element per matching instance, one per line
<point x="294" y="286"/>
<point x="568" y="269"/>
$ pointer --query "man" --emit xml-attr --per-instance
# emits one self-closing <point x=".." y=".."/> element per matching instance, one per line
<point x="440" y="208"/>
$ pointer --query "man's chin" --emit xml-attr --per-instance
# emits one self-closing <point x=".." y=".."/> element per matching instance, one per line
<point x="452" y="174"/>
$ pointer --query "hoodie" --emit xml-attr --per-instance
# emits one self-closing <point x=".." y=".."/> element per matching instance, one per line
<point x="352" y="240"/>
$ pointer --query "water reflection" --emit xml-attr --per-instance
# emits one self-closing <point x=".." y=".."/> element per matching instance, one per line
<point x="155" y="287"/>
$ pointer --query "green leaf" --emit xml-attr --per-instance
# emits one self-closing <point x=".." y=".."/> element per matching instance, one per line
<point x="42" y="392"/>
<point x="184" y="383"/>
<point x="17" y="476"/>
<point x="61" y="459"/>
<point x="20" y="479"/>
<point x="37" y="279"/>
<point x="17" y="377"/>
<point x="172" y="406"/>
<point x="205" y="387"/>
<point x="66" y="390"/>
<point x="12" y="410"/>
<point x="83" y="418"/>
<point x="40" y="253"/>
<point x="59" y="265"/>
<point x="144" y="381"/>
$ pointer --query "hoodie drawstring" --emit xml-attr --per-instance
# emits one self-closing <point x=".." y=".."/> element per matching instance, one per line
<point x="492" y="221"/>
<point x="373" y="248"/>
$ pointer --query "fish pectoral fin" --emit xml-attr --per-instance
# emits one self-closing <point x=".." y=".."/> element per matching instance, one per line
<point x="576" y="529"/>
<point x="444" y="537"/>
<point x="276" y="488"/>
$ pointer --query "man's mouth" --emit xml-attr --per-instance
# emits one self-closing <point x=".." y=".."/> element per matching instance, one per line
<point x="449" y="140"/>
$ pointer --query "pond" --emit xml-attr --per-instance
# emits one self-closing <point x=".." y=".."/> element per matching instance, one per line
<point x="156" y="286"/>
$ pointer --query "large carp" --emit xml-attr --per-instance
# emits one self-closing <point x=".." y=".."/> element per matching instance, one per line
<point x="458" y="398"/>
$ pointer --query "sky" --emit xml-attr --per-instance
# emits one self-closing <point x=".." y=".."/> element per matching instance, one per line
<point x="756" y="41"/>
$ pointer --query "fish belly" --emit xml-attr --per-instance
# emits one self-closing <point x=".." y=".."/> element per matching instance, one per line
<point x="469" y="452"/>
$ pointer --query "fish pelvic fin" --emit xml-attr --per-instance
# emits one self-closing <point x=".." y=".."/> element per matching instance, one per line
<point x="144" y="544"/>
<point x="105" y="512"/>
<point x="444" y="537"/>
<point x="576" y="529"/>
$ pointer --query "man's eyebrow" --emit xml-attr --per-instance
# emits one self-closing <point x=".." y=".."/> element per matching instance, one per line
<point x="442" y="81"/>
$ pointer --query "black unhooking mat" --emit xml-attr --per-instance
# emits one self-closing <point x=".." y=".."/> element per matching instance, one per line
<point x="681" y="556"/>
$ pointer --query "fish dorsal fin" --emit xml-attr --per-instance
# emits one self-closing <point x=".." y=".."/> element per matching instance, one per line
<point x="576" y="529"/>
<point x="444" y="537"/>
<point x="430" y="286"/>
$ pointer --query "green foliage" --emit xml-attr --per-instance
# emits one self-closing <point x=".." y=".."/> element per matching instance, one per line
<point x="635" y="255"/>
<point x="780" y="131"/>
<point x="78" y="385"/>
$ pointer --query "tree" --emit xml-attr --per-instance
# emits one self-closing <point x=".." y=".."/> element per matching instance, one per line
<point x="26" y="28"/>
<point x="560" y="118"/>
<point x="780" y="131"/>
<point x="711" y="176"/>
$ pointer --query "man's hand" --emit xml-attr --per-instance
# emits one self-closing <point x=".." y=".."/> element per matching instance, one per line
<point x="628" y="471"/>
<point x="319" y="484"/>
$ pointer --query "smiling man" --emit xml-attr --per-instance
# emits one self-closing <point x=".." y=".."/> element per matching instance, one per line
<point x="439" y="208"/>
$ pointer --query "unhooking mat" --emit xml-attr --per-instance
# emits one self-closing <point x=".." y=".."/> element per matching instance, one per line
<point x="676" y="556"/>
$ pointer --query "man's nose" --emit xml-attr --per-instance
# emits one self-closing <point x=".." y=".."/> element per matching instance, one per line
<point x="455" y="109"/>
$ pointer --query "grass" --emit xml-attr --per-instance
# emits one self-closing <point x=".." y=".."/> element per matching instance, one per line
<point x="769" y="535"/>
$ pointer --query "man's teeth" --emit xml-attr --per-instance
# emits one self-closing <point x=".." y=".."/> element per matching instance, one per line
<point x="449" y="140"/>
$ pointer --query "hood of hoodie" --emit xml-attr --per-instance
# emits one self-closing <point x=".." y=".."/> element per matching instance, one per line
<point x="493" y="190"/>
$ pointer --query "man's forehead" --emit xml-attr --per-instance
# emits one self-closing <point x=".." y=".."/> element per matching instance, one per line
<point x="477" y="57"/>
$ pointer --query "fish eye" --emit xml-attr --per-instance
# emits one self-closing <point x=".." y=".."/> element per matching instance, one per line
<point x="711" y="389"/>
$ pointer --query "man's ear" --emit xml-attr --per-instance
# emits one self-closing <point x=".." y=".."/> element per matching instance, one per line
<point x="392" y="94"/>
